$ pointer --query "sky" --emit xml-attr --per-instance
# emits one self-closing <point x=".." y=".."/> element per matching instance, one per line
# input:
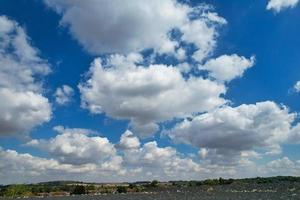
<point x="113" y="90"/>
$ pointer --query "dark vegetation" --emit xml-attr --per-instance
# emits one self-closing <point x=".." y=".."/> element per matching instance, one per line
<point x="283" y="184"/>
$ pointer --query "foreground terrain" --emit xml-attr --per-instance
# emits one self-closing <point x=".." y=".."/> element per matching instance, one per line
<point x="189" y="194"/>
<point x="218" y="189"/>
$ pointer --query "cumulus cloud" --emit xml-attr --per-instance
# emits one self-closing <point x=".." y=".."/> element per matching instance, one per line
<point x="63" y="95"/>
<point x="163" y="162"/>
<point x="129" y="141"/>
<point x="228" y="133"/>
<point x="76" y="146"/>
<point x="294" y="136"/>
<point x="20" y="168"/>
<point x="22" y="104"/>
<point x="21" y="111"/>
<point x="75" y="151"/>
<point x="131" y="161"/>
<point x="72" y="151"/>
<point x="278" y="5"/>
<point x="121" y="84"/>
<point x="132" y="26"/>
<point x="227" y="67"/>
<point x="123" y="89"/>
<point x="204" y="37"/>
<point x="137" y="25"/>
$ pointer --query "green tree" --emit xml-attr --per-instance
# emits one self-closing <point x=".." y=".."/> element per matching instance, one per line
<point x="154" y="183"/>
<point x="17" y="190"/>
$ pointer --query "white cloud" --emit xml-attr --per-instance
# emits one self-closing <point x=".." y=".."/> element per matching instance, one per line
<point x="132" y="162"/>
<point x="227" y="67"/>
<point x="162" y="162"/>
<point x="76" y="146"/>
<point x="23" y="168"/>
<point x="138" y="25"/>
<point x="63" y="95"/>
<point x="132" y="26"/>
<point x="202" y="36"/>
<point x="227" y="133"/>
<point x="283" y="166"/>
<point x="294" y="136"/>
<point x="278" y="5"/>
<point x="203" y="153"/>
<point x="129" y="141"/>
<point x="146" y="95"/>
<point x="297" y="86"/>
<point x="21" y="111"/>
<point x="22" y="104"/>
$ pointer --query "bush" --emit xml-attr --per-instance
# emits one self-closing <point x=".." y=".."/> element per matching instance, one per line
<point x="79" y="189"/>
<point x="121" y="189"/>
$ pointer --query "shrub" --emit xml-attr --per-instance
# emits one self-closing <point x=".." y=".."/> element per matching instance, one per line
<point x="79" y="189"/>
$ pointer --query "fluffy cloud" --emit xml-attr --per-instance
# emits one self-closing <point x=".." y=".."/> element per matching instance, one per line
<point x="123" y="89"/>
<point x="20" y="168"/>
<point x="21" y="111"/>
<point x="163" y="162"/>
<point x="227" y="67"/>
<point x="75" y="146"/>
<point x="294" y="136"/>
<point x="203" y="36"/>
<point x="129" y="141"/>
<point x="63" y="94"/>
<point x="228" y="133"/>
<point x="278" y="5"/>
<point x="22" y="104"/>
<point x="137" y="25"/>
<point x="132" y="161"/>
<point x="132" y="26"/>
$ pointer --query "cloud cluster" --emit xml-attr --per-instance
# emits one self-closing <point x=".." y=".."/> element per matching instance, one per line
<point x="77" y="151"/>
<point x="156" y="161"/>
<point x="130" y="162"/>
<point x="228" y="132"/>
<point x="23" y="105"/>
<point x="76" y="146"/>
<point x="20" y="168"/>
<point x="123" y="85"/>
<point x="283" y="166"/>
<point x="123" y="89"/>
<point x="278" y="5"/>
<point x="133" y="26"/>
<point x="127" y="83"/>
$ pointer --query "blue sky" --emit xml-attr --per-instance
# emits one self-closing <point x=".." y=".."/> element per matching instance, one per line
<point x="109" y="94"/>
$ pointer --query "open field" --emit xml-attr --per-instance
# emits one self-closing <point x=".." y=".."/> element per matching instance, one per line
<point x="264" y="191"/>
<point x="186" y="196"/>
<point x="273" y="188"/>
